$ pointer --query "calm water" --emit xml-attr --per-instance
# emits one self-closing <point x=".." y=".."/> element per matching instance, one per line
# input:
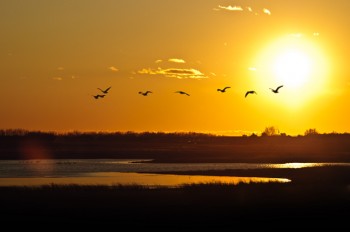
<point x="115" y="171"/>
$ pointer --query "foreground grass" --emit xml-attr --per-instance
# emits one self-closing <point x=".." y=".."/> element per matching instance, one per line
<point x="207" y="204"/>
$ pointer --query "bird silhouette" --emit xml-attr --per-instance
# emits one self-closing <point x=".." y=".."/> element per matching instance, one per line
<point x="98" y="96"/>
<point x="106" y="90"/>
<point x="182" y="92"/>
<point x="250" y="92"/>
<point x="145" y="93"/>
<point x="224" y="89"/>
<point x="276" y="90"/>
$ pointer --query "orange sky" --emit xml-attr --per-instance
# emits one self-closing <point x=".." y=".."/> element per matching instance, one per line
<point x="55" y="54"/>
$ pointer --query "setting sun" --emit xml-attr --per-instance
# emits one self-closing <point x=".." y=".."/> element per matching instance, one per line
<point x="293" y="68"/>
<point x="299" y="64"/>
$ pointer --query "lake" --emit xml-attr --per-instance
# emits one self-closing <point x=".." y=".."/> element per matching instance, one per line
<point x="128" y="171"/>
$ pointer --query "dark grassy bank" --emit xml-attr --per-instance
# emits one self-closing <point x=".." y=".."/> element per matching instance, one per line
<point x="321" y="198"/>
<point x="175" y="147"/>
<point x="202" y="205"/>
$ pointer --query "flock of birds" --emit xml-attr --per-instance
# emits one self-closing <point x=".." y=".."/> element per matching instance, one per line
<point x="223" y="90"/>
<point x="97" y="96"/>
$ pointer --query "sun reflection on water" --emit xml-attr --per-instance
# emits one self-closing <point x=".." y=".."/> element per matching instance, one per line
<point x="119" y="178"/>
<point x="298" y="165"/>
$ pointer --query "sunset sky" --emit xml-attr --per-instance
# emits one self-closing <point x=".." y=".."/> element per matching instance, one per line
<point x="56" y="54"/>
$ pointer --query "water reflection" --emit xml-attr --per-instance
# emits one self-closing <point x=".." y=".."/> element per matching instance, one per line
<point x="302" y="165"/>
<point x="128" y="171"/>
<point x="151" y="180"/>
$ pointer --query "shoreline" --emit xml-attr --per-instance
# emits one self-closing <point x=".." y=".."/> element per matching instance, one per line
<point x="316" y="197"/>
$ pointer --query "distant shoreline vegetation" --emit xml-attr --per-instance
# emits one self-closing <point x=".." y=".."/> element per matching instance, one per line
<point x="268" y="131"/>
<point x="270" y="146"/>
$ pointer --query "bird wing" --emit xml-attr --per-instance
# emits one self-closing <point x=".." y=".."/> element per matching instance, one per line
<point x="227" y="87"/>
<point x="248" y="92"/>
<point x="279" y="87"/>
<point x="108" y="88"/>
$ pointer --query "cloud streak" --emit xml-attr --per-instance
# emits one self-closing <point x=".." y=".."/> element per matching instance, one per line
<point x="267" y="11"/>
<point x="176" y="60"/>
<point x="240" y="8"/>
<point x="114" y="69"/>
<point x="179" y="73"/>
<point x="231" y="8"/>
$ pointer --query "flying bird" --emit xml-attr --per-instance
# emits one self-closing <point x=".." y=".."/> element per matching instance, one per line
<point x="224" y="89"/>
<point x="250" y="92"/>
<point x="145" y="93"/>
<point x="276" y="90"/>
<point x="98" y="96"/>
<point x="182" y="92"/>
<point x="105" y="91"/>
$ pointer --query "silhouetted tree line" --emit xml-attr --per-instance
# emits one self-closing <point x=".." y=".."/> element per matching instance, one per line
<point x="270" y="146"/>
<point x="129" y="135"/>
<point x="268" y="131"/>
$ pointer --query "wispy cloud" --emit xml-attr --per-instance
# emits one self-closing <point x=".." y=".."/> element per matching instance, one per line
<point x="267" y="11"/>
<point x="175" y="72"/>
<point x="240" y="8"/>
<point x="231" y="8"/>
<point x="60" y="68"/>
<point x="158" y="61"/>
<point x="176" y="60"/>
<point x="114" y="69"/>
<point x="57" y="78"/>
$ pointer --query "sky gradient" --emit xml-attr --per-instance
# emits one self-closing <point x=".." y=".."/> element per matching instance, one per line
<point x="56" y="54"/>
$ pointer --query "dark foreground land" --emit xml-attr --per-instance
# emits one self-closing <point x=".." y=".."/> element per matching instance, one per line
<point x="317" y="198"/>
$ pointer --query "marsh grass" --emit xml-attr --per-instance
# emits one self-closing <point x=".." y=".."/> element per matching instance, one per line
<point x="204" y="204"/>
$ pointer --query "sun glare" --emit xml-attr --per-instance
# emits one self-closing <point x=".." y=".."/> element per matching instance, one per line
<point x="292" y="68"/>
<point x="296" y="63"/>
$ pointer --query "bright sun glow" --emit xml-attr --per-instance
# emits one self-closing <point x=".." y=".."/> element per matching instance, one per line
<point x="296" y="63"/>
<point x="293" y="68"/>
